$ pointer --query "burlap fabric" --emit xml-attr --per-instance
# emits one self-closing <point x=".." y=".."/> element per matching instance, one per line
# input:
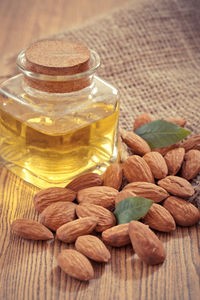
<point x="150" y="51"/>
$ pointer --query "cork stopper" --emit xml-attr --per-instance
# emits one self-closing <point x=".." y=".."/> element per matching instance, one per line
<point x="57" y="58"/>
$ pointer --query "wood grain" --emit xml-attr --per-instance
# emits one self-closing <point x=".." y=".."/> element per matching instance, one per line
<point x="28" y="269"/>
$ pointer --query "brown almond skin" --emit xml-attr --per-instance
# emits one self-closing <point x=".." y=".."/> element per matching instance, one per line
<point x="51" y="195"/>
<point x="174" y="159"/>
<point x="177" y="186"/>
<point x="137" y="144"/>
<point x="177" y="121"/>
<point x="113" y="176"/>
<point x="75" y="264"/>
<point x="93" y="248"/>
<point x="117" y="236"/>
<point x="106" y="219"/>
<point x="123" y="195"/>
<point x="141" y="120"/>
<point x="136" y="169"/>
<point x="157" y="164"/>
<point x="124" y="151"/>
<point x="147" y="190"/>
<point x="98" y="195"/>
<point x="191" y="164"/>
<point x="191" y="143"/>
<point x="183" y="212"/>
<point x="32" y="230"/>
<point x="163" y="151"/>
<point x="70" y="231"/>
<point x="57" y="214"/>
<point x="159" y="218"/>
<point x="85" y="181"/>
<point x="146" y="244"/>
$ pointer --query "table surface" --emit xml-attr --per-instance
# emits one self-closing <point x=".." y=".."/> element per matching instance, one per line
<point x="28" y="270"/>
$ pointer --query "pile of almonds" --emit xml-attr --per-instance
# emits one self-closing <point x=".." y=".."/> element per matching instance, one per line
<point x="86" y="204"/>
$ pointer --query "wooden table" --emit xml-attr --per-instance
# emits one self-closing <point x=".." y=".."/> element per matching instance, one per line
<point x="28" y="270"/>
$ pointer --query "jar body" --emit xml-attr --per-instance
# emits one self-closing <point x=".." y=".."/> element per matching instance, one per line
<point x="49" y="139"/>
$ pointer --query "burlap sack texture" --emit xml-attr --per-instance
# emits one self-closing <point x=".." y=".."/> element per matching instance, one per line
<point x="150" y="50"/>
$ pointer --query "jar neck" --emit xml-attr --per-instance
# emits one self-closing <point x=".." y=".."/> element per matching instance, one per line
<point x="53" y="84"/>
<point x="65" y="86"/>
<point x="54" y="96"/>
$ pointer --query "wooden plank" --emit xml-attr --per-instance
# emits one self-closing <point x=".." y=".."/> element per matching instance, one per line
<point x="29" y="269"/>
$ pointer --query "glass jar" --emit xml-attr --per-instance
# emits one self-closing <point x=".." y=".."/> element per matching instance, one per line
<point x="56" y="127"/>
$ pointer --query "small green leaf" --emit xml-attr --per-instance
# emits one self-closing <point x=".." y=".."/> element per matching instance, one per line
<point x="161" y="133"/>
<point x="132" y="208"/>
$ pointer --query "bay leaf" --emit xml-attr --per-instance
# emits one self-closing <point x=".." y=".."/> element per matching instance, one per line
<point x="131" y="208"/>
<point x="161" y="133"/>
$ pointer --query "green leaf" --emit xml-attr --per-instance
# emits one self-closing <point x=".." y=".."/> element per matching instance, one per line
<point x="132" y="208"/>
<point x="161" y="133"/>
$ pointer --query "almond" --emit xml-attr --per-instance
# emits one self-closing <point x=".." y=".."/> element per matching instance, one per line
<point x="85" y="181"/>
<point x="99" y="195"/>
<point x="93" y="248"/>
<point x="57" y="214"/>
<point x="106" y="219"/>
<point x="124" y="151"/>
<point x="159" y="218"/>
<point x="174" y="159"/>
<point x="157" y="164"/>
<point x="184" y="213"/>
<point x="147" y="190"/>
<point x="177" y="186"/>
<point x="137" y="144"/>
<point x="136" y="169"/>
<point x="191" y="164"/>
<point x="123" y="195"/>
<point x="117" y="236"/>
<point x="164" y="150"/>
<point x="177" y="121"/>
<point x="75" y="264"/>
<point x="191" y="143"/>
<point x="29" y="229"/>
<point x="113" y="176"/>
<point x="70" y="231"/>
<point x="141" y="120"/>
<point x="146" y="244"/>
<point x="51" y="195"/>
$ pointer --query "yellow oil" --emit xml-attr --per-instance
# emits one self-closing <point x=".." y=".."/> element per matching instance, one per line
<point x="48" y="151"/>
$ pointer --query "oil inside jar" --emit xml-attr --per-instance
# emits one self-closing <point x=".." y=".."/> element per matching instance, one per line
<point x="47" y="151"/>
